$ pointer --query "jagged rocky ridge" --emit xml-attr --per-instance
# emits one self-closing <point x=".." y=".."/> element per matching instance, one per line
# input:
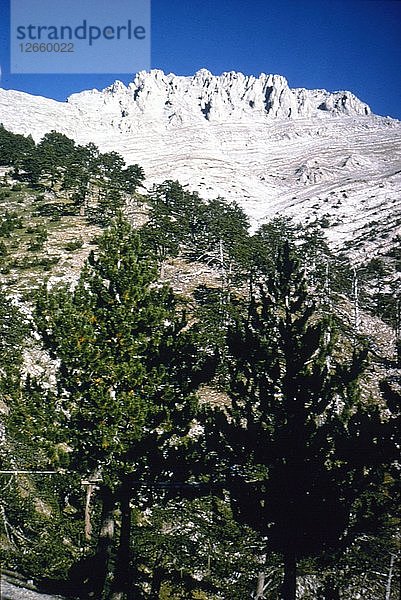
<point x="178" y="100"/>
<point x="310" y="154"/>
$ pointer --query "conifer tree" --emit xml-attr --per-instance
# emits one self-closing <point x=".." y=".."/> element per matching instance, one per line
<point x="129" y="367"/>
<point x="33" y="528"/>
<point x="14" y="148"/>
<point x="53" y="151"/>
<point x="292" y="447"/>
<point x="81" y="171"/>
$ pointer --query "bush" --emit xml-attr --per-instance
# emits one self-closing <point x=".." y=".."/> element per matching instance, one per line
<point x="74" y="245"/>
<point x="50" y="210"/>
<point x="5" y="194"/>
<point x="46" y="262"/>
<point x="40" y="237"/>
<point x="9" y="222"/>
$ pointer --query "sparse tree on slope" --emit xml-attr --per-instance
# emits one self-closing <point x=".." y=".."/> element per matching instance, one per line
<point x="14" y="148"/>
<point x="53" y="152"/>
<point x="80" y="173"/>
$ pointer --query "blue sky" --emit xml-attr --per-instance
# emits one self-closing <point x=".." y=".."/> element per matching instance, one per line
<point x="331" y="44"/>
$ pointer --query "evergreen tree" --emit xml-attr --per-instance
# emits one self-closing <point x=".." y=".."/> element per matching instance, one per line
<point x="214" y="232"/>
<point x="129" y="367"/>
<point x="167" y="228"/>
<point x="14" y="148"/>
<point x="114" y="181"/>
<point x="293" y="447"/>
<point x="81" y="172"/>
<point x="33" y="530"/>
<point x="226" y="234"/>
<point x="194" y="546"/>
<point x="131" y="178"/>
<point x="268" y="242"/>
<point x="32" y="168"/>
<point x="53" y="151"/>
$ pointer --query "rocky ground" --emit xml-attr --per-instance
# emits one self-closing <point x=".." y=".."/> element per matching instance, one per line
<point x="9" y="591"/>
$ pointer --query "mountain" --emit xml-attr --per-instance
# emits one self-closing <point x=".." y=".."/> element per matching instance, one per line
<point x="310" y="154"/>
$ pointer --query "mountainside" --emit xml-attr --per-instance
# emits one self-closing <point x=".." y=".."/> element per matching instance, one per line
<point x="175" y="384"/>
<point x="306" y="153"/>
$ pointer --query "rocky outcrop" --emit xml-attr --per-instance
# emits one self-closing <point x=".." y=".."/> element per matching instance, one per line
<point x="177" y="99"/>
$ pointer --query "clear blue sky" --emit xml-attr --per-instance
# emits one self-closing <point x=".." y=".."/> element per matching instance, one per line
<point x="332" y="44"/>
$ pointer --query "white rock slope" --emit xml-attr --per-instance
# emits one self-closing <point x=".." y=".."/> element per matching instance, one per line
<point x="306" y="153"/>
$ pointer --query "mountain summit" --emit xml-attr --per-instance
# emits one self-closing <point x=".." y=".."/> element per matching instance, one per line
<point x="311" y="154"/>
<point x="180" y="100"/>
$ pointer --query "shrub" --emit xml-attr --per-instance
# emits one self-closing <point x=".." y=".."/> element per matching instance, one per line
<point x="74" y="245"/>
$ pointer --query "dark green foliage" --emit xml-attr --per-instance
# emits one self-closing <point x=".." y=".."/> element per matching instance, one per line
<point x="51" y="209"/>
<point x="131" y="178"/>
<point x="214" y="232"/>
<point x="225" y="231"/>
<point x="163" y="234"/>
<point x="115" y="180"/>
<point x="8" y="223"/>
<point x="294" y="453"/>
<point x="196" y="545"/>
<point x="296" y="447"/>
<point x="115" y="331"/>
<point x="80" y="171"/>
<point x="128" y="370"/>
<point x="28" y="262"/>
<point x="326" y="273"/>
<point x="31" y="167"/>
<point x="268" y="241"/>
<point x="5" y="194"/>
<point x="74" y="245"/>
<point x="40" y="236"/>
<point x="14" y="148"/>
<point x="38" y="541"/>
<point x="35" y="537"/>
<point x="53" y="152"/>
<point x="41" y="541"/>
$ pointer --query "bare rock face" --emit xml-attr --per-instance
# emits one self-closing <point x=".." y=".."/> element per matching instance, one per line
<point x="177" y="100"/>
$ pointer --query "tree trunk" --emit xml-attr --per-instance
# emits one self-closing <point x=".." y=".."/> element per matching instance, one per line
<point x="88" y="522"/>
<point x="260" y="586"/>
<point x="122" y="583"/>
<point x="289" y="587"/>
<point x="389" y="578"/>
<point x="101" y="566"/>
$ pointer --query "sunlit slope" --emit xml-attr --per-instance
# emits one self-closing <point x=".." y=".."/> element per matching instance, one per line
<point x="306" y="153"/>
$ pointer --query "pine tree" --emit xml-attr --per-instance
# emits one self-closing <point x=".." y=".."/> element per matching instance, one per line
<point x="13" y="331"/>
<point x="33" y="528"/>
<point x="81" y="171"/>
<point x="54" y="151"/>
<point x="129" y="367"/>
<point x="14" y="148"/>
<point x="193" y="545"/>
<point x="167" y="227"/>
<point x="292" y="447"/>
